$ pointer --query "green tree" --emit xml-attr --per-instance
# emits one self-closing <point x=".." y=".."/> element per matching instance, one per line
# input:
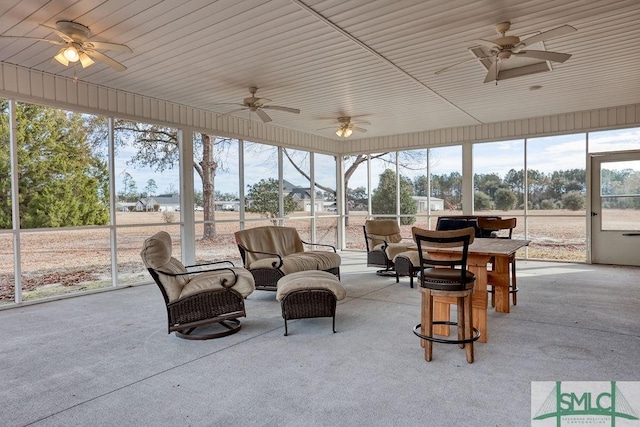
<point x="263" y="198"/>
<point x="61" y="181"/>
<point x="573" y="200"/>
<point x="487" y="184"/>
<point x="482" y="201"/>
<point x="421" y="186"/>
<point x="151" y="187"/>
<point x="130" y="190"/>
<point x="383" y="199"/>
<point x="448" y="187"/>
<point x="505" y="199"/>
<point x="157" y="148"/>
<point x="357" y="198"/>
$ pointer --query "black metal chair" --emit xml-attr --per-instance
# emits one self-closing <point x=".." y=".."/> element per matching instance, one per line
<point x="493" y="227"/>
<point x="456" y="222"/>
<point x="449" y="282"/>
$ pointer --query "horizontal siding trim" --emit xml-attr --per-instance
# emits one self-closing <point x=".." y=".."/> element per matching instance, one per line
<point x="43" y="88"/>
<point x="34" y="86"/>
<point x="579" y="121"/>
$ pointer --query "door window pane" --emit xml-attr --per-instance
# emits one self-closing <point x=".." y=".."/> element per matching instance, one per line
<point x="620" y="195"/>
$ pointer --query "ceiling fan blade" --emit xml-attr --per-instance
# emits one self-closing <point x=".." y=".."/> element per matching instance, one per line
<point x="56" y="42"/>
<point x="104" y="58"/>
<point x="232" y="111"/>
<point x="85" y="60"/>
<point x="107" y="46"/>
<point x="492" y="73"/>
<point x="62" y="35"/>
<point x="359" y="129"/>
<point x="279" y="108"/>
<point x="547" y="35"/>
<point x="263" y="116"/>
<point x="544" y="55"/>
<point x="361" y="122"/>
<point x="487" y="43"/>
<point x="454" y="65"/>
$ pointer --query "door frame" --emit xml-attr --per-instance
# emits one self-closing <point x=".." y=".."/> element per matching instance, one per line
<point x="593" y="194"/>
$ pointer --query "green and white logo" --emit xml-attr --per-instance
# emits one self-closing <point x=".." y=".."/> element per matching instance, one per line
<point x="585" y="403"/>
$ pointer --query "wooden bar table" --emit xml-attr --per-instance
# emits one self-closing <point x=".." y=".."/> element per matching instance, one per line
<point x="481" y="252"/>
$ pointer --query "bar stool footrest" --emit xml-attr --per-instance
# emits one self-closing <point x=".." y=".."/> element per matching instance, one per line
<point x="475" y="337"/>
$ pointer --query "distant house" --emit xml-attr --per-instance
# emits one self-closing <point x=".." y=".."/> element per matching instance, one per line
<point x="126" y="206"/>
<point x="436" y="204"/>
<point x="147" y="204"/>
<point x="166" y="203"/>
<point x="302" y="197"/>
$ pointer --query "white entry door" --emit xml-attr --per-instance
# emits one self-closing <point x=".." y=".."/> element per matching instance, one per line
<point x="615" y="208"/>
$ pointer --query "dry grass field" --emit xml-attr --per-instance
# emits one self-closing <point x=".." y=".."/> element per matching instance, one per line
<point x="63" y="261"/>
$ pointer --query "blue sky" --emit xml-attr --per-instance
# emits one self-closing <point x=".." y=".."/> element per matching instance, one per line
<point x="545" y="154"/>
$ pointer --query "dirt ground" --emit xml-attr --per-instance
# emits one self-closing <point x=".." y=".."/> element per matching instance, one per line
<point x="61" y="261"/>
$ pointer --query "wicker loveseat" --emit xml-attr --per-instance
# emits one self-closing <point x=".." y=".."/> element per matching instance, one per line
<point x="271" y="252"/>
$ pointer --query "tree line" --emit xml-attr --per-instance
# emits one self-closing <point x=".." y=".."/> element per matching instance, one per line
<point x="63" y="176"/>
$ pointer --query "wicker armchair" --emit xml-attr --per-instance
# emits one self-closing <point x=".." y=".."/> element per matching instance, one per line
<point x="384" y="242"/>
<point x="197" y="297"/>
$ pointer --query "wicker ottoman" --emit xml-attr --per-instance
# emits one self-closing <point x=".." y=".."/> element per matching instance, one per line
<point x="307" y="294"/>
<point x="407" y="264"/>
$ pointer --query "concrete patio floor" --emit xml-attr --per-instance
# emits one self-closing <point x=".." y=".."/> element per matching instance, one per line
<point x="106" y="359"/>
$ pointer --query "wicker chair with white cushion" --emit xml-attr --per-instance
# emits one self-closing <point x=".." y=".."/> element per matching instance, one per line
<point x="199" y="295"/>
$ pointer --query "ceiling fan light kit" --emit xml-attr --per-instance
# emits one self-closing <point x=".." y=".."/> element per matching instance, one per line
<point x="71" y="54"/>
<point x="347" y="126"/>
<point x="344" y="132"/>
<point x="77" y="46"/>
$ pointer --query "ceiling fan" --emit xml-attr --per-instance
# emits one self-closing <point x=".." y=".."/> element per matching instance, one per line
<point x="258" y="105"/>
<point x="505" y="47"/>
<point x="346" y="126"/>
<point x="77" y="46"/>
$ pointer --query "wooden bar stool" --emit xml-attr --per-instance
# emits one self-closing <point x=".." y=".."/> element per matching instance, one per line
<point x="446" y="282"/>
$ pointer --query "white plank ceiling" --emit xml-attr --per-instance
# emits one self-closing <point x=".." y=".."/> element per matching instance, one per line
<point x="369" y="58"/>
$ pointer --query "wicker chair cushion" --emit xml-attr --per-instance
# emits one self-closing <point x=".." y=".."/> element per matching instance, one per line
<point x="310" y="280"/>
<point x="156" y="251"/>
<point x="212" y="280"/>
<point x="380" y="230"/>
<point x="156" y="254"/>
<point x="396" y="248"/>
<point x="412" y="256"/>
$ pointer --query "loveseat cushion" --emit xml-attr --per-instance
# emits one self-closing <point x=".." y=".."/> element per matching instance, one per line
<point x="209" y="280"/>
<point x="325" y="260"/>
<point x="281" y="240"/>
<point x="300" y="261"/>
